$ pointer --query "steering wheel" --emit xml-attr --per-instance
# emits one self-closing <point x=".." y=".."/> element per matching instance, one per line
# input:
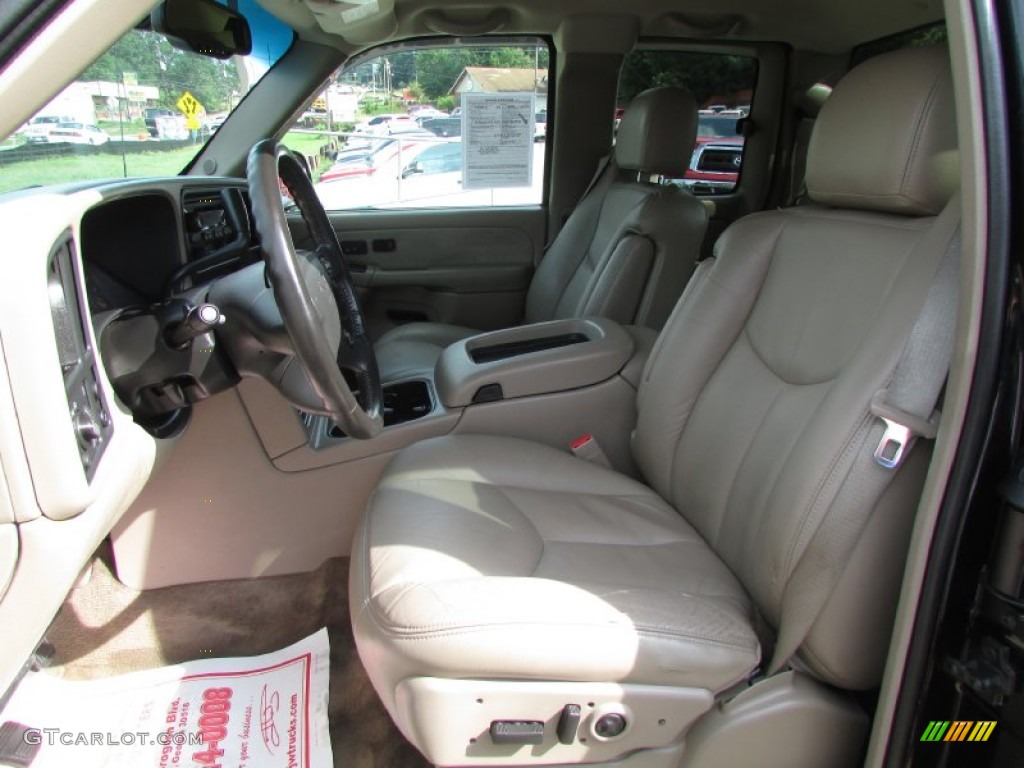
<point x="314" y="293"/>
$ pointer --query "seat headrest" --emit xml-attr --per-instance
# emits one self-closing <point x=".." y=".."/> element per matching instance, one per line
<point x="886" y="138"/>
<point x="657" y="132"/>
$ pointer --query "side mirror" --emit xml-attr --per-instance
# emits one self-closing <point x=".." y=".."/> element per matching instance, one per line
<point x="204" y="27"/>
<point x="411" y="168"/>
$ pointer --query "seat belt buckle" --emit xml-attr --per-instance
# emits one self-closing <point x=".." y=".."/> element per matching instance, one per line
<point x="894" y="444"/>
<point x="902" y="430"/>
<point x="586" y="447"/>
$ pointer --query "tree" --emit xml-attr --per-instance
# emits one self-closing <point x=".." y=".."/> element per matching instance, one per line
<point x="707" y="76"/>
<point x="154" y="62"/>
<point x="403" y="68"/>
<point x="437" y="69"/>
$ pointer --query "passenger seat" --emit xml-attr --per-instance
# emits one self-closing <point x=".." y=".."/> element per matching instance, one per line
<point x="625" y="253"/>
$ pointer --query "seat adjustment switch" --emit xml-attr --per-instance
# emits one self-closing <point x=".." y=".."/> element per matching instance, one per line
<point x="610" y="726"/>
<point x="517" y="731"/>
<point x="569" y="723"/>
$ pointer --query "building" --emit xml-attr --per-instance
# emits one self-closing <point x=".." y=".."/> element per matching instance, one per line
<point x="501" y="80"/>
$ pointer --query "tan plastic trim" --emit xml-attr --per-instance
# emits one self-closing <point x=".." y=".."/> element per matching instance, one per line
<point x="971" y="138"/>
<point x="607" y="350"/>
<point x="34" y="223"/>
<point x="220" y="509"/>
<point x="8" y="554"/>
<point x="449" y="720"/>
<point x="785" y="721"/>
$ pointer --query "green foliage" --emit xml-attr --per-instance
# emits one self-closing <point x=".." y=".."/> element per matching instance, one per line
<point x="377" y="105"/>
<point x="154" y="62"/>
<point x="416" y="91"/>
<point x="403" y="68"/>
<point x="709" y="77"/>
<point x="932" y="34"/>
<point x="445" y="103"/>
<point x="92" y="165"/>
<point x="435" y="70"/>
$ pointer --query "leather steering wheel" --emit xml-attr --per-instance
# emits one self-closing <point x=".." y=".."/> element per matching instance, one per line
<point x="314" y="293"/>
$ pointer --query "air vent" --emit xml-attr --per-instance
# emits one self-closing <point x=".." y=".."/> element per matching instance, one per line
<point x="87" y="411"/>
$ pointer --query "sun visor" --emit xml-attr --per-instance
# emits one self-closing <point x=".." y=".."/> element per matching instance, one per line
<point x="358" y="21"/>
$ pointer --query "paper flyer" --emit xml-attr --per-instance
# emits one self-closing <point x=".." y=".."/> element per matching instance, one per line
<point x="497" y="140"/>
<point x="266" y="711"/>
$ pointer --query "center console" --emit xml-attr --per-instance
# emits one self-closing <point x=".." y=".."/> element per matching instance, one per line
<point x="531" y="360"/>
<point x="550" y="382"/>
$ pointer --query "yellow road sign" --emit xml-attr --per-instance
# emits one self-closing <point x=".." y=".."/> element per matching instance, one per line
<point x="189" y="105"/>
<point x="191" y="123"/>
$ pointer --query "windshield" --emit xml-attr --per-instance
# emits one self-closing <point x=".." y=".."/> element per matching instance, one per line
<point x="717" y="126"/>
<point x="142" y="109"/>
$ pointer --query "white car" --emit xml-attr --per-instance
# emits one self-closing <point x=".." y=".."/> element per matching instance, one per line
<point x="384" y="124"/>
<point x="37" y="130"/>
<point x="78" y="133"/>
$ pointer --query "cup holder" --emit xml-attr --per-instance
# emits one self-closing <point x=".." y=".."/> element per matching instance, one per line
<point x="403" y="401"/>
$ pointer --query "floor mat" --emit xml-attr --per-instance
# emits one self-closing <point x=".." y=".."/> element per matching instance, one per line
<point x="106" y="629"/>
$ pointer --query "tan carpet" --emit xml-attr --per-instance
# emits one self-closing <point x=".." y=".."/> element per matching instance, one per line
<point x="107" y="629"/>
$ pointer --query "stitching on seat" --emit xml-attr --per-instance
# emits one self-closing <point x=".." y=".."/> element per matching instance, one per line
<point x="783" y="222"/>
<point x="842" y="454"/>
<point x="450" y="627"/>
<point x="501" y="491"/>
<point x="652" y="633"/>
<point x="746" y="455"/>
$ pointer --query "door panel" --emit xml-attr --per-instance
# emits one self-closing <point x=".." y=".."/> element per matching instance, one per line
<point x="467" y="266"/>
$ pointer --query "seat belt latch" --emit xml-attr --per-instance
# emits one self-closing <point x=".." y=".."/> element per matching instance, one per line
<point x="586" y="447"/>
<point x="902" y="429"/>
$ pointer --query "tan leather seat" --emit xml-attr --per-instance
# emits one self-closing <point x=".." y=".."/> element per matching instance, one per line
<point x="626" y="251"/>
<point x="488" y="558"/>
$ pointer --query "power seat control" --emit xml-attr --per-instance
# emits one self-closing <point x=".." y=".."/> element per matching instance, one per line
<point x="517" y="731"/>
<point x="569" y="723"/>
<point x="610" y="726"/>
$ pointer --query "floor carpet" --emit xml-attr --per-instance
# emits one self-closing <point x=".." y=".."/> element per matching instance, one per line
<point x="105" y="628"/>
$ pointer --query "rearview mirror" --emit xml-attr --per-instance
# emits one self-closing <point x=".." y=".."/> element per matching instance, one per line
<point x="411" y="168"/>
<point x="204" y="27"/>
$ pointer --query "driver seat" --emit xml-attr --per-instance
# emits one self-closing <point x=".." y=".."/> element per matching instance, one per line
<point x="625" y="253"/>
<point x="495" y="580"/>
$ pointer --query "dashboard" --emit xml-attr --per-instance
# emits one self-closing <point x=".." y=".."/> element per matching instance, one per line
<point x="73" y="457"/>
<point x="141" y="245"/>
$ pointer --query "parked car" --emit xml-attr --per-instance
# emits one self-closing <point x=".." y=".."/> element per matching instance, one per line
<point x="362" y="163"/>
<point x="151" y="118"/>
<point x="78" y="133"/>
<point x="385" y="124"/>
<point x="540" y="125"/>
<point x="444" y="127"/>
<point x="717" y="155"/>
<point x="419" y="114"/>
<point x="37" y="130"/>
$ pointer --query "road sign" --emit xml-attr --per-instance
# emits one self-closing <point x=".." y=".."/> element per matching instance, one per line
<point x="189" y="104"/>
<point x="191" y="107"/>
<point x="129" y="78"/>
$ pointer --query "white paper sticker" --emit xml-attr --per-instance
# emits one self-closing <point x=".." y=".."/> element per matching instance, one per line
<point x="360" y="12"/>
<point x="265" y="711"/>
<point x="497" y="140"/>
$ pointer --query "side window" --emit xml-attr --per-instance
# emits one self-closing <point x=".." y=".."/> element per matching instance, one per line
<point x="723" y="86"/>
<point x="437" y="126"/>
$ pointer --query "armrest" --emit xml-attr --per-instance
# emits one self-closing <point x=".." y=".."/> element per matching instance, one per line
<point x="531" y="360"/>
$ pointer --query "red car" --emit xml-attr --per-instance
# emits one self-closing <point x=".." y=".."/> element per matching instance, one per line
<point x="366" y="164"/>
<point x="717" y="155"/>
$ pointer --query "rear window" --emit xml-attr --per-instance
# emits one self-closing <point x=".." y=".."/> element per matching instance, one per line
<point x="722" y="84"/>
